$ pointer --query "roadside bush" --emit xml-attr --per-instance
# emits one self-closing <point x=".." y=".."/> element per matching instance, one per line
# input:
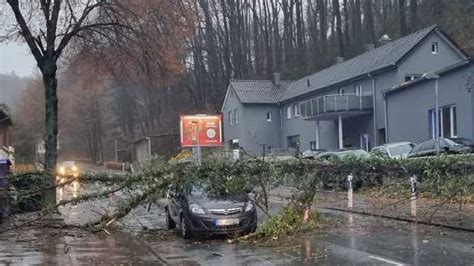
<point x="28" y="190"/>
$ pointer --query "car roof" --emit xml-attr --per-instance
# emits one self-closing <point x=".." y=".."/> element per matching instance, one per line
<point x="393" y="144"/>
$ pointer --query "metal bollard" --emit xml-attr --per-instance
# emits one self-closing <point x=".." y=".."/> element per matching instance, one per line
<point x="413" y="195"/>
<point x="350" y="191"/>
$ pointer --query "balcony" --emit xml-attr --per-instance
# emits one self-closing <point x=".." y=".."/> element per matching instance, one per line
<point x="330" y="107"/>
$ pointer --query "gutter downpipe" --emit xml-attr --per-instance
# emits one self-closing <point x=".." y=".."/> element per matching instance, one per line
<point x="385" y="116"/>
<point x="281" y="125"/>
<point x="374" y="108"/>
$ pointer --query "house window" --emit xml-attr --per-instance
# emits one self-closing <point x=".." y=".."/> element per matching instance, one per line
<point x="297" y="110"/>
<point x="447" y="122"/>
<point x="434" y="48"/>
<point x="288" y="112"/>
<point x="236" y="116"/>
<point x="358" y="90"/>
<point x="230" y="117"/>
<point x="411" y="77"/>
<point x="269" y="116"/>
<point x="342" y="91"/>
<point x="312" y="145"/>
<point x="294" y="142"/>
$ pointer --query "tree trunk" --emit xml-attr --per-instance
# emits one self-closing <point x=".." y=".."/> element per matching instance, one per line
<point x="51" y="108"/>
<point x="413" y="15"/>
<point x="402" y="17"/>
<point x="321" y="6"/>
<point x="340" y="37"/>
<point x="369" y="22"/>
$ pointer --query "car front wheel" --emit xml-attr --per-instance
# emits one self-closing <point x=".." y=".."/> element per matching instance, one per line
<point x="185" y="233"/>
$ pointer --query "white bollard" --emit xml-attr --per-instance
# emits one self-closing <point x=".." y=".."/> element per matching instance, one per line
<point x="413" y="195"/>
<point x="349" y="192"/>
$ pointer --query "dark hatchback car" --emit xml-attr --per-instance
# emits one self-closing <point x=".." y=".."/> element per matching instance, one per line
<point x="198" y="213"/>
<point x="446" y="146"/>
<point x="465" y="142"/>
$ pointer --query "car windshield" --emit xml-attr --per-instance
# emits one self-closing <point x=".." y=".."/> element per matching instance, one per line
<point x="463" y="141"/>
<point x="400" y="149"/>
<point x="448" y="143"/>
<point x="212" y="191"/>
<point x="69" y="164"/>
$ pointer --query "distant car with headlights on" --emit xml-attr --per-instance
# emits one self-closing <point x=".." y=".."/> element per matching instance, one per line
<point x="68" y="169"/>
<point x="197" y="212"/>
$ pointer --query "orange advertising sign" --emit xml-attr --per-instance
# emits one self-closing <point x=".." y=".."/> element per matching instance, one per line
<point x="201" y="130"/>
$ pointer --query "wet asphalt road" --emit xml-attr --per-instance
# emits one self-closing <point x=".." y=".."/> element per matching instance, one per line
<point x="359" y="240"/>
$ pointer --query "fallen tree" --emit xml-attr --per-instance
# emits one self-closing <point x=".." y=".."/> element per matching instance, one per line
<point x="443" y="177"/>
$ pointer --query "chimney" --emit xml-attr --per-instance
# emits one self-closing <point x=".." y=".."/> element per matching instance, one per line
<point x="384" y="40"/>
<point x="276" y="79"/>
<point x="369" y="47"/>
<point x="339" y="59"/>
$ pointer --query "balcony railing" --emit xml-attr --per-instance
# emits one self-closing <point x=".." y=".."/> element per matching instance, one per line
<point x="336" y="103"/>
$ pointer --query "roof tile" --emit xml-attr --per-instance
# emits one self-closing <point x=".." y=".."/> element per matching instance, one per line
<point x="381" y="57"/>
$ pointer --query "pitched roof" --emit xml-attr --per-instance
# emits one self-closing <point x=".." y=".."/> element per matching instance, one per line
<point x="442" y="71"/>
<point x="259" y="91"/>
<point x="379" y="58"/>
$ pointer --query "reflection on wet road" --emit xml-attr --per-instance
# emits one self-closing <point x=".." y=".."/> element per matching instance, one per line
<point x="360" y="240"/>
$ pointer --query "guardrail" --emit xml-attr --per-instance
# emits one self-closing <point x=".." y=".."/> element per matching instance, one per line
<point x="335" y="103"/>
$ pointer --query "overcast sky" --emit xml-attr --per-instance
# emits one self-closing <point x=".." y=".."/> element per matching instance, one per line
<point x="15" y="57"/>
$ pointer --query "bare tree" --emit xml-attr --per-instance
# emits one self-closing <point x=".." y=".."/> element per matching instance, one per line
<point x="47" y="37"/>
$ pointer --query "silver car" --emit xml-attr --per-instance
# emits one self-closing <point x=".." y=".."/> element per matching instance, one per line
<point x="396" y="150"/>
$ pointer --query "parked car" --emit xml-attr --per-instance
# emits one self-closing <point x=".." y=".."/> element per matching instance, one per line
<point x="68" y="169"/>
<point x="198" y="212"/>
<point x="465" y="142"/>
<point x="311" y="154"/>
<point x="357" y="153"/>
<point x="396" y="150"/>
<point x="339" y="155"/>
<point x="446" y="146"/>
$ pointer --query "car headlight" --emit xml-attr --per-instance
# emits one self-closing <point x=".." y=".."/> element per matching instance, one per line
<point x="74" y="168"/>
<point x="196" y="209"/>
<point x="249" y="206"/>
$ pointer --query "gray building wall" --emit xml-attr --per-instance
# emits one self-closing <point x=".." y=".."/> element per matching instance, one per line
<point x="408" y="108"/>
<point x="306" y="129"/>
<point x="421" y="60"/>
<point x="231" y="132"/>
<point x="258" y="131"/>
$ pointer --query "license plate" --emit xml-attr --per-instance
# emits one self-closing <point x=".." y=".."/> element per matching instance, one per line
<point x="224" y="222"/>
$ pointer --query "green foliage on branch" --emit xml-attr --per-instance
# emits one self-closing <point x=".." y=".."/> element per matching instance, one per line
<point x="441" y="176"/>
<point x="288" y="222"/>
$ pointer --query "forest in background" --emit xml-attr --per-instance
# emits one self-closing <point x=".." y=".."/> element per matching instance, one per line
<point x="181" y="56"/>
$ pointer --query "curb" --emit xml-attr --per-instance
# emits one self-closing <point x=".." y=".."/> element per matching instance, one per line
<point x="454" y="227"/>
<point x="397" y="218"/>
